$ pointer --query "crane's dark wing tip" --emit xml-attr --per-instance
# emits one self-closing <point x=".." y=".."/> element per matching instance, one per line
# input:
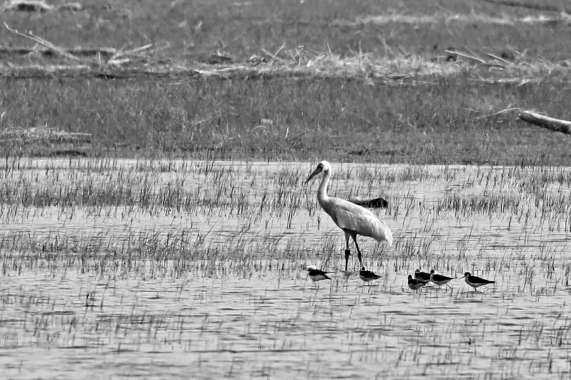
<point x="371" y="203"/>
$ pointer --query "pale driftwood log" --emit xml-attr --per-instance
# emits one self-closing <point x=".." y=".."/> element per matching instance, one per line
<point x="548" y="122"/>
<point x="37" y="6"/>
<point x="531" y="5"/>
<point x="472" y="57"/>
<point x="104" y="52"/>
<point x="43" y="135"/>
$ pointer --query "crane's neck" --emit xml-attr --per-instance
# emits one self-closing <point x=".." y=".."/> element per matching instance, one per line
<point x="322" y="196"/>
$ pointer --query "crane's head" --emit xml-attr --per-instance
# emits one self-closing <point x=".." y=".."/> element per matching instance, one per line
<point x="323" y="166"/>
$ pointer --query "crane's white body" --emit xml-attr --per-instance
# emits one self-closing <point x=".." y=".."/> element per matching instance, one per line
<point x="351" y="218"/>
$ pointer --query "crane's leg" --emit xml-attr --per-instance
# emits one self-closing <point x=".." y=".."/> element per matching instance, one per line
<point x="347" y="251"/>
<point x="354" y="236"/>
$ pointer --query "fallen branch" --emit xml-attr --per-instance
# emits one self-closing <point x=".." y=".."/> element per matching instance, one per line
<point x="448" y="18"/>
<point x="109" y="56"/>
<point x="544" y="121"/>
<point x="538" y="7"/>
<point x="43" y="135"/>
<point x="498" y="58"/>
<point x="28" y="6"/>
<point x="38" y="6"/>
<point x="497" y="113"/>
<point x="104" y="52"/>
<point x="123" y="56"/>
<point x="43" y="42"/>
<point x="472" y="57"/>
<point x="274" y="56"/>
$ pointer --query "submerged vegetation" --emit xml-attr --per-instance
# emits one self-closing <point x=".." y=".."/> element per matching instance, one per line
<point x="137" y="257"/>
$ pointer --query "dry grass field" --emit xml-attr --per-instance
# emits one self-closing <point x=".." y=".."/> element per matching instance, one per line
<point x="374" y="81"/>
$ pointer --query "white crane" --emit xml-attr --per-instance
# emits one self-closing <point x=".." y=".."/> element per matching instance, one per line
<point x="352" y="219"/>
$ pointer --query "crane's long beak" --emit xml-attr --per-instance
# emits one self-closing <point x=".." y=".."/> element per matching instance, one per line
<point x="315" y="172"/>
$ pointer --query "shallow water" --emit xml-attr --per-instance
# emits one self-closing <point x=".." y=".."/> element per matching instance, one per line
<point x="195" y="269"/>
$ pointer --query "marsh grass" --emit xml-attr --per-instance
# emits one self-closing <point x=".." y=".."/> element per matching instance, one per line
<point x="311" y="118"/>
<point x="258" y="208"/>
<point x="367" y="92"/>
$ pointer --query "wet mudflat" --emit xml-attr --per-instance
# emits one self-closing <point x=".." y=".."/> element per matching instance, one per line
<point x="182" y="268"/>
